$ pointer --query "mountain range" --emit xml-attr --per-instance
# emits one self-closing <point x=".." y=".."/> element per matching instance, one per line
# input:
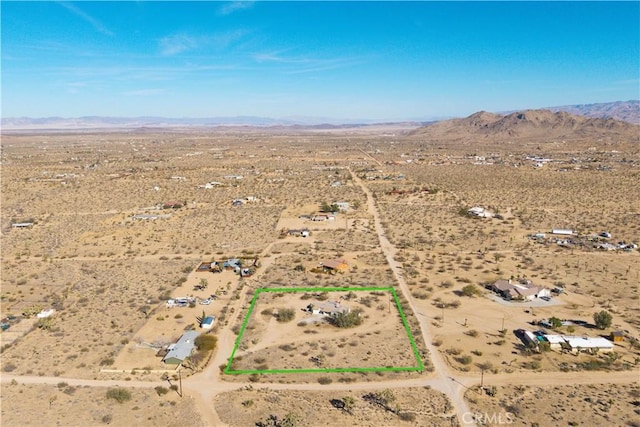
<point x="530" y="124"/>
<point x="626" y="111"/>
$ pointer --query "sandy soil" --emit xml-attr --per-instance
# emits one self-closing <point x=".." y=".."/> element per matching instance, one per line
<point x="108" y="275"/>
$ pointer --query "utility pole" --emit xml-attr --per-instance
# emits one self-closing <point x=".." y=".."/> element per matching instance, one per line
<point x="502" y="323"/>
<point x="482" y="378"/>
<point x="180" y="376"/>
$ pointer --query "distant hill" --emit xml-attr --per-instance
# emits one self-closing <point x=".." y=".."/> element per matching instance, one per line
<point x="626" y="111"/>
<point x="154" y="123"/>
<point x="532" y="124"/>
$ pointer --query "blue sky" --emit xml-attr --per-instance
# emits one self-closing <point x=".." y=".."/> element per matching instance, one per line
<point x="344" y="60"/>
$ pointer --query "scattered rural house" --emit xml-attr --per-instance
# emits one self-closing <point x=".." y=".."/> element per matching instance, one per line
<point x="342" y="206"/>
<point x="575" y="344"/>
<point x="180" y="302"/>
<point x="178" y="178"/>
<point x="323" y="217"/>
<point x="563" y="232"/>
<point x="520" y="290"/>
<point x="340" y="265"/>
<point x="173" y="205"/>
<point x="329" y="308"/>
<point x="237" y="202"/>
<point x="177" y="352"/>
<point x="210" y="185"/>
<point x="232" y="264"/>
<point x="233" y="177"/>
<point x="479" y="212"/>
<point x="617" y="336"/>
<point x="336" y="184"/>
<point x="22" y="225"/>
<point x="213" y="266"/>
<point x="297" y="233"/>
<point x="45" y="313"/>
<point x="145" y="217"/>
<point x="207" y="322"/>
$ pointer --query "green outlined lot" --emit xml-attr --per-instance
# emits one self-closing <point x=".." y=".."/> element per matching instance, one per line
<point x="418" y="366"/>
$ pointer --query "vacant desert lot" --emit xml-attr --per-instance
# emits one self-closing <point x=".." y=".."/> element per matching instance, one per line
<point x="423" y="406"/>
<point x="614" y="405"/>
<point x="66" y="405"/>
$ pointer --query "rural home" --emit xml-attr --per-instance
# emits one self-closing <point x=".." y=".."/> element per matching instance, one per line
<point x="342" y="206"/>
<point x="145" y="217"/>
<point x="339" y="264"/>
<point x="180" y="350"/>
<point x="562" y="232"/>
<point x="323" y="217"/>
<point x="298" y="233"/>
<point x="479" y="212"/>
<point x="22" y="225"/>
<point x="329" y="308"/>
<point x="576" y="343"/>
<point x="521" y="290"/>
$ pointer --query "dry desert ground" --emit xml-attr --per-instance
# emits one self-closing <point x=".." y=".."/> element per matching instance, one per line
<point x="119" y="223"/>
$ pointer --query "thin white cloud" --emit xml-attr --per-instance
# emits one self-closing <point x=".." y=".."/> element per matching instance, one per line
<point x="234" y="6"/>
<point x="302" y="64"/>
<point x="97" y="25"/>
<point x="179" y="43"/>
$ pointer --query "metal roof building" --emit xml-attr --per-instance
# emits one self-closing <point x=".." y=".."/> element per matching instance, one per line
<point x="181" y="349"/>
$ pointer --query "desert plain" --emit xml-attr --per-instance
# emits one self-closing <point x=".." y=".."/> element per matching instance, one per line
<point x="116" y="226"/>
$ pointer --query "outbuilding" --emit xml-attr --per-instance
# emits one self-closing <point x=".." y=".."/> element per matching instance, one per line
<point x="207" y="322"/>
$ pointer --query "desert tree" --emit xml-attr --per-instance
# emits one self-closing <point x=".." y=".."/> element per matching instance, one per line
<point x="602" y="319"/>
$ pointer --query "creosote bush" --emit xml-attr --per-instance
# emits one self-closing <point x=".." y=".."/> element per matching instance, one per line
<point x="120" y="395"/>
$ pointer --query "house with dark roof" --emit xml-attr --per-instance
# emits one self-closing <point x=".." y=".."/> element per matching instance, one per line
<point x="339" y="264"/>
<point x="328" y="308"/>
<point x="518" y="290"/>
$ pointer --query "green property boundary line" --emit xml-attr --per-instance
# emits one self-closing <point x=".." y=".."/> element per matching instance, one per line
<point x="419" y="367"/>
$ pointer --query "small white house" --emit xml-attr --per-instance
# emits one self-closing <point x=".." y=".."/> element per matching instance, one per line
<point x="45" y="313"/>
<point x="562" y="232"/>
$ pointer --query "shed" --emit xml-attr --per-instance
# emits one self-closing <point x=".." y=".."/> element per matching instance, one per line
<point x="182" y="349"/>
<point x="207" y="322"/>
<point x="617" y="336"/>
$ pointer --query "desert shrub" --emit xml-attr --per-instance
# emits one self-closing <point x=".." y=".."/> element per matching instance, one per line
<point x="120" y="395"/>
<point x="465" y="360"/>
<point x="470" y="290"/>
<point x="285" y="315"/>
<point x="346" y="320"/>
<point x="107" y="361"/>
<point x="407" y="416"/>
<point x="206" y="342"/>
<point x="602" y="319"/>
<point x="471" y="333"/>
<point x="107" y="419"/>
<point x="161" y="390"/>
<point x="287" y="347"/>
<point x="325" y="380"/>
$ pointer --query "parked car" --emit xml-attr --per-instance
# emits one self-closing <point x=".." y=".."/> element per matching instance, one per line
<point x="205" y="301"/>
